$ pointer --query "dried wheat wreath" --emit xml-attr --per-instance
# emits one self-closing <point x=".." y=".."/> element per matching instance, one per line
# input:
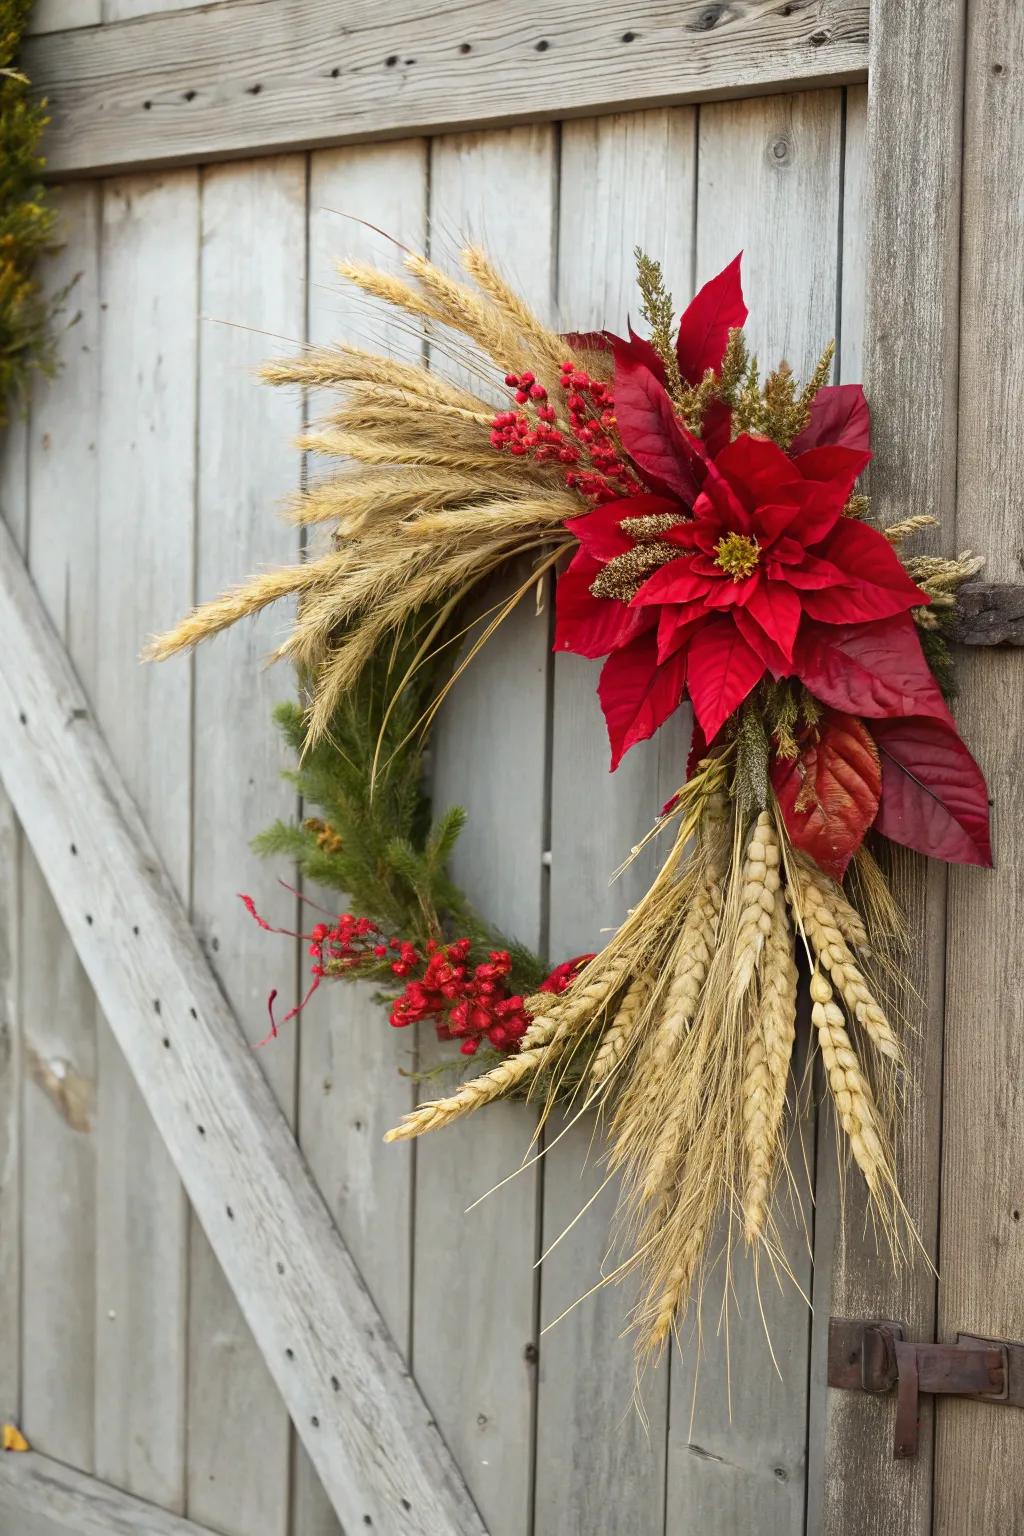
<point x="717" y="552"/>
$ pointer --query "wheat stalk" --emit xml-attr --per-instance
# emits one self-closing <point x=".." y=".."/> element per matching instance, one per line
<point x="855" y="1105"/>
<point x="620" y="1032"/>
<point x="495" y="1084"/>
<point x="769" y="1052"/>
<point x="836" y="957"/>
<point x="758" y="899"/>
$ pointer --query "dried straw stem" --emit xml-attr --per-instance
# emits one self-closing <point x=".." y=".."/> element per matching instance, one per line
<point x="758" y="900"/>
<point x="620" y="1033"/>
<point x="854" y="1101"/>
<point x="243" y="601"/>
<point x="834" y="954"/>
<point x="769" y="1052"/>
<point x="500" y="1080"/>
<point x="351" y="367"/>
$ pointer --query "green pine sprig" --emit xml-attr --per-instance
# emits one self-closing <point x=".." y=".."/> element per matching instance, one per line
<point x="375" y="839"/>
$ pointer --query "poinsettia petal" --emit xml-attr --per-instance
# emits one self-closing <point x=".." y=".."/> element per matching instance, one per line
<point x="829" y="793"/>
<point x="638" y="693"/>
<point x="707" y="320"/>
<point x="934" y="797"/>
<point x="661" y="449"/>
<point x="878" y="585"/>
<point x="812" y="574"/>
<point x="723" y="669"/>
<point x="773" y="658"/>
<point x="839" y="414"/>
<point x="676" y="624"/>
<point x="588" y="625"/>
<point x="776" y="607"/>
<point x="758" y="470"/>
<point x="674" y="583"/>
<point x="835" y="466"/>
<point x="599" y="532"/>
<point x="726" y="593"/>
<point x="878" y="670"/>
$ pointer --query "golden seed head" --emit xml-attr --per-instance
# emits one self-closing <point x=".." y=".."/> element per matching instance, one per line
<point x="737" y="555"/>
<point x="625" y="575"/>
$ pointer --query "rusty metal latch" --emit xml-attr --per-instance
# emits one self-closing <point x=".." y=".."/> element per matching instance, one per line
<point x="877" y="1356"/>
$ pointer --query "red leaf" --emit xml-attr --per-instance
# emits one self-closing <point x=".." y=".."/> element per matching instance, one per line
<point x="829" y="794"/>
<point x="589" y="625"/>
<point x="650" y="432"/>
<point x="723" y="670"/>
<point x="876" y="670"/>
<point x="638" y="693"/>
<point x="934" y="796"/>
<point x="877" y="585"/>
<point x="706" y="322"/>
<point x="839" y="414"/>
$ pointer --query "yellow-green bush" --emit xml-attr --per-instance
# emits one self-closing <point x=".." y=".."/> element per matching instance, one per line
<point x="26" y="223"/>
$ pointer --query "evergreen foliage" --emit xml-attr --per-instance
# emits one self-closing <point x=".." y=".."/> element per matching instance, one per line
<point x="26" y="223"/>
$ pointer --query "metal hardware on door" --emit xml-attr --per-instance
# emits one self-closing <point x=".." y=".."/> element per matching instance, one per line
<point x="877" y="1356"/>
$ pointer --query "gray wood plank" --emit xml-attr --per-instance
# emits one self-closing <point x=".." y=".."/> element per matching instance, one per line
<point x="373" y="1442"/>
<point x="489" y="753"/>
<point x="14" y="513"/>
<point x="625" y="179"/>
<point x="910" y="357"/>
<point x="828" y="1197"/>
<point x="768" y="183"/>
<point x="979" y="1455"/>
<point x="351" y="1087"/>
<point x="249" y="76"/>
<point x="57" y="1003"/>
<point x="252" y="276"/>
<point x="46" y="1498"/>
<point x="149" y="266"/>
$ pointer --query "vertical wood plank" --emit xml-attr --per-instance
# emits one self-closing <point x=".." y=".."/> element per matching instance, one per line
<point x="57" y="1003"/>
<point x="252" y="277"/>
<point x="910" y="351"/>
<point x="979" y="1454"/>
<point x="473" y="1324"/>
<point x="150" y="255"/>
<point x="827" y="1191"/>
<point x="625" y="179"/>
<point x="351" y="1087"/>
<point x="768" y="183"/>
<point x="14" y="512"/>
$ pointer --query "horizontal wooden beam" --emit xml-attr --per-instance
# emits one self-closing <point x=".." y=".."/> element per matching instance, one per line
<point x="39" y="1497"/>
<point x="989" y="613"/>
<point x="369" y="1434"/>
<point x="250" y="77"/>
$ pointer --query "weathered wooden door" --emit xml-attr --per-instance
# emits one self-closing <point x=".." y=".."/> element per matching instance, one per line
<point x="210" y="165"/>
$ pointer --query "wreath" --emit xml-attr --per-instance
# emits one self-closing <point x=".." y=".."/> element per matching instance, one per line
<point x="713" y="547"/>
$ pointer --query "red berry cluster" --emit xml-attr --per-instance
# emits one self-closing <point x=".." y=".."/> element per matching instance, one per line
<point x="591" y="407"/>
<point x="466" y="1003"/>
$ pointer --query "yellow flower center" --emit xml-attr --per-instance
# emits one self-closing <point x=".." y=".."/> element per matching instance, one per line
<point x="737" y="555"/>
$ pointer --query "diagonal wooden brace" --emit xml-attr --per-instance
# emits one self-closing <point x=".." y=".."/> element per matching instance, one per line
<point x="368" y="1431"/>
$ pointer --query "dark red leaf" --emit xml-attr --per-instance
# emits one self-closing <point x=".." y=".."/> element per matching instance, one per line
<point x="839" y="414"/>
<point x="706" y="322"/>
<point x="589" y="625"/>
<point x="877" y="584"/>
<point x="663" y="452"/>
<point x="876" y="670"/>
<point x="638" y="693"/>
<point x="829" y="794"/>
<point x="723" y="670"/>
<point x="934" y="797"/>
